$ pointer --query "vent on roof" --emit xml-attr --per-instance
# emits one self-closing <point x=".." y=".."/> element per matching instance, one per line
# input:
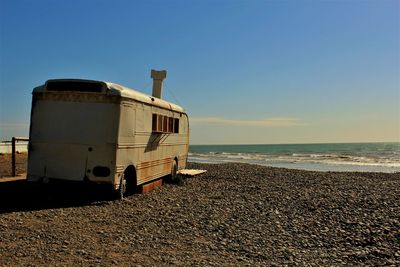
<point x="74" y="86"/>
<point x="158" y="77"/>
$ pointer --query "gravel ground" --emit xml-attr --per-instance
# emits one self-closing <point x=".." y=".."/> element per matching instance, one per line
<point x="234" y="215"/>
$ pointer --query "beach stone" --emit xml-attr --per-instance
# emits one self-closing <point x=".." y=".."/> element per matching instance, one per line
<point x="233" y="215"/>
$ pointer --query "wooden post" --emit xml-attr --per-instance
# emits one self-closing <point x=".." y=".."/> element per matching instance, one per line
<point x="13" y="157"/>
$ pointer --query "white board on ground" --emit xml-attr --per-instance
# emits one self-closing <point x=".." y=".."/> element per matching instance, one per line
<point x="191" y="172"/>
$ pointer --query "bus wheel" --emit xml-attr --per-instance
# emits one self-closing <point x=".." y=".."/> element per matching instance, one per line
<point x="122" y="187"/>
<point x="173" y="177"/>
<point x="130" y="178"/>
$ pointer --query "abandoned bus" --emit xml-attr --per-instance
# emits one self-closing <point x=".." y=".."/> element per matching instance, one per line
<point x="84" y="130"/>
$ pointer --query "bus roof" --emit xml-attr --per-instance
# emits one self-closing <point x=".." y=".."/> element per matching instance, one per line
<point x="92" y="86"/>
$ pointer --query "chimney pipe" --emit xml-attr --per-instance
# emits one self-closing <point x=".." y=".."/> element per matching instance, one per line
<point x="158" y="77"/>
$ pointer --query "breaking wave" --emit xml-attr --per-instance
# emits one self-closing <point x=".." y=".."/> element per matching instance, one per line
<point x="371" y="160"/>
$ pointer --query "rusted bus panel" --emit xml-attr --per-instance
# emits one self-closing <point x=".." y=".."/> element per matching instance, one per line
<point x="148" y="112"/>
<point x="77" y="97"/>
<point x="151" y="164"/>
<point x="74" y="132"/>
<point x="148" y="149"/>
<point x="155" y="168"/>
<point x="101" y="156"/>
<point x="154" y="154"/>
<point x="145" y="169"/>
<point x="151" y="177"/>
<point x="121" y="93"/>
<point x="74" y="122"/>
<point x="70" y="162"/>
<point x="119" y="169"/>
<point x="127" y="118"/>
<point x="141" y="118"/>
<point x="69" y="138"/>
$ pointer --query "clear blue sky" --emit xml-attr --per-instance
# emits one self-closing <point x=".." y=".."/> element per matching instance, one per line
<point x="246" y="71"/>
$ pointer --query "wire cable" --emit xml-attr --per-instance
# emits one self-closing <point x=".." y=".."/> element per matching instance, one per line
<point x="172" y="94"/>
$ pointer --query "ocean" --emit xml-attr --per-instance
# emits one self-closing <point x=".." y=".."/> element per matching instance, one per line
<point x="364" y="157"/>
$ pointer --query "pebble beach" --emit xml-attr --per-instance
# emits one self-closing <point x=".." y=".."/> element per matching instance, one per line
<point x="233" y="215"/>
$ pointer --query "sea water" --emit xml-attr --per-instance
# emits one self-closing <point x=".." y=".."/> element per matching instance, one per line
<point x="365" y="157"/>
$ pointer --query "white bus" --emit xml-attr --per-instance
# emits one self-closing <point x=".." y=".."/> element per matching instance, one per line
<point x="84" y="130"/>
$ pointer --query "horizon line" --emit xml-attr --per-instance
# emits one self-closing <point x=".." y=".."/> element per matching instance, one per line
<point x="316" y="143"/>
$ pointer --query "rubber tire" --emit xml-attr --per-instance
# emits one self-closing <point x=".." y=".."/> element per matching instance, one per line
<point x="121" y="192"/>
<point x="174" y="172"/>
<point x="130" y="187"/>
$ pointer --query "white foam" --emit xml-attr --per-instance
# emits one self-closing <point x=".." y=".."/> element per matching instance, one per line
<point x="305" y="160"/>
